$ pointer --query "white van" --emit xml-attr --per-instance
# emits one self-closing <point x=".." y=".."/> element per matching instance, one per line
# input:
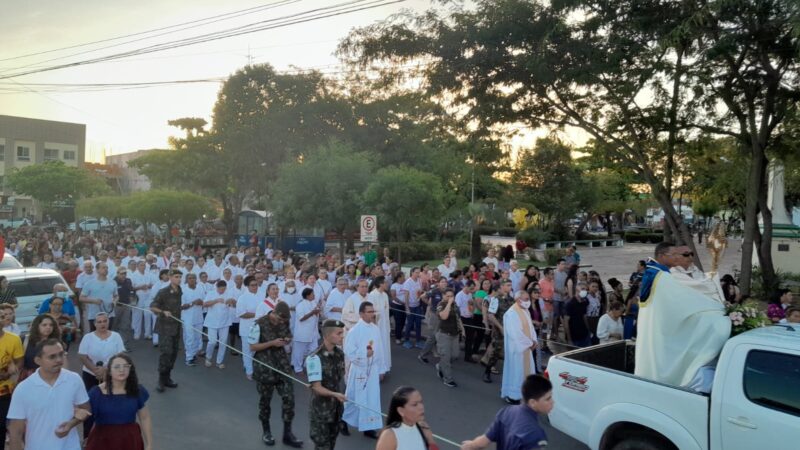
<point x="32" y="287"/>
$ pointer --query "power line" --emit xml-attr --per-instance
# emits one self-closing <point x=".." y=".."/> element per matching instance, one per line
<point x="234" y="14"/>
<point x="293" y="19"/>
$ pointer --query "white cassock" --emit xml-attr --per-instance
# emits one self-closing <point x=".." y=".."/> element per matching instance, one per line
<point x="679" y="330"/>
<point x="350" y="315"/>
<point x="699" y="281"/>
<point x="518" y="337"/>
<point x="381" y="302"/>
<point x="363" y="381"/>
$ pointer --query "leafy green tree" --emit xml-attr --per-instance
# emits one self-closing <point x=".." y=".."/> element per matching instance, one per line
<point x="261" y="120"/>
<point x="405" y="199"/>
<point x="55" y="182"/>
<point x="323" y="189"/>
<point x="167" y="207"/>
<point x="108" y="206"/>
<point x="547" y="177"/>
<point x="580" y="64"/>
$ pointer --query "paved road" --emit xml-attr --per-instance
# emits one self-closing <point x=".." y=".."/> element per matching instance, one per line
<point x="214" y="409"/>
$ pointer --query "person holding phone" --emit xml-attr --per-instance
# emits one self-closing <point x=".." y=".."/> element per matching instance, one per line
<point x="268" y="340"/>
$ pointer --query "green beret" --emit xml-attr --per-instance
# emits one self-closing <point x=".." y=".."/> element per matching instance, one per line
<point x="333" y="323"/>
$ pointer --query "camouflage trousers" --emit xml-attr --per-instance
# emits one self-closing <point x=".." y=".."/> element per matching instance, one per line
<point x="285" y="390"/>
<point x="496" y="351"/>
<point x="323" y="434"/>
<point x="168" y="352"/>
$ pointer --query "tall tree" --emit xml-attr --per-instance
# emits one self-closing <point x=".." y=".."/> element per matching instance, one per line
<point x="405" y="199"/>
<point x="603" y="67"/>
<point x="53" y="181"/>
<point x="323" y="189"/>
<point x="747" y="73"/>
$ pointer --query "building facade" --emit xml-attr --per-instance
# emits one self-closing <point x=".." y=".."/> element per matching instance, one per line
<point x="130" y="179"/>
<point x="24" y="142"/>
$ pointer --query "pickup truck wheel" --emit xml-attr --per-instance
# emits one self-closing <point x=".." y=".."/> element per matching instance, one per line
<point x="643" y="443"/>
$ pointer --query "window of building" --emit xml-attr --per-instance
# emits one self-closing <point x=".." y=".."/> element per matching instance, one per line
<point x="69" y="155"/>
<point x="50" y="154"/>
<point x="772" y="380"/>
<point x="23" y="153"/>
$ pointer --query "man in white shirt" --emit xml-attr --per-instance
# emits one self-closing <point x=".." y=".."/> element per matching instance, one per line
<point x="131" y="256"/>
<point x="86" y="275"/>
<point x="214" y="268"/>
<point x="491" y="258"/>
<point x="142" y="283"/>
<point x="246" y="310"/>
<point x="48" y="405"/>
<point x="322" y="287"/>
<point x="465" y="304"/>
<point x="515" y="275"/>
<point x="99" y="294"/>
<point x="411" y="292"/>
<point x="85" y="257"/>
<point x="192" y="315"/>
<point x="362" y="348"/>
<point x="306" y="332"/>
<point x="336" y="299"/>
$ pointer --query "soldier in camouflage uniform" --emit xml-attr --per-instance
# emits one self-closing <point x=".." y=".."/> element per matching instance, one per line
<point x="325" y="369"/>
<point x="167" y="307"/>
<point x="497" y="308"/>
<point x="273" y="336"/>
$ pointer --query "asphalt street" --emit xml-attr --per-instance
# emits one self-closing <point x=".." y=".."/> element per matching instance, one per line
<point x="218" y="409"/>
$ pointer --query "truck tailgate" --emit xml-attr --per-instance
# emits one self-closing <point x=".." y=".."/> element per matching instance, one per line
<point x="590" y="398"/>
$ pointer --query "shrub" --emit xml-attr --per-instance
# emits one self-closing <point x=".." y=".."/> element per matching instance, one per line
<point x="552" y="255"/>
<point x="426" y="250"/>
<point x="533" y="236"/>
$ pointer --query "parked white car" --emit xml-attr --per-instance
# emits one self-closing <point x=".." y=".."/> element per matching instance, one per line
<point x="754" y="404"/>
<point x="90" y="224"/>
<point x="32" y="287"/>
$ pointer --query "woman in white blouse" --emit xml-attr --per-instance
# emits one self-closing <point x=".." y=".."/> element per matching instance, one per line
<point x="610" y="327"/>
<point x="405" y="423"/>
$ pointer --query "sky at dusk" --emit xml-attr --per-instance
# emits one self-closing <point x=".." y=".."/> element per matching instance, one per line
<point x="124" y="120"/>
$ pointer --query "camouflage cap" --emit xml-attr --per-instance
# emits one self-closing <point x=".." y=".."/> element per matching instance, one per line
<point x="332" y="323"/>
<point x="282" y="310"/>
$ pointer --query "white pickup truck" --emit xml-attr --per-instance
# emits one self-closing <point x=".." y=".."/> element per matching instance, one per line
<point x="754" y="404"/>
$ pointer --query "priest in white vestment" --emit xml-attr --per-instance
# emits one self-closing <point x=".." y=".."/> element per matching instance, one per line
<point x="519" y="343"/>
<point x="362" y="348"/>
<point x="380" y="300"/>
<point x="681" y="331"/>
<point x="350" y="315"/>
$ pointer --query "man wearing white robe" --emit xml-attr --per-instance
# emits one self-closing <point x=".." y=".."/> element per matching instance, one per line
<point x="362" y="348"/>
<point x="689" y="275"/>
<point x="350" y="315"/>
<point x="519" y="343"/>
<point x="380" y="300"/>
<point x="680" y="331"/>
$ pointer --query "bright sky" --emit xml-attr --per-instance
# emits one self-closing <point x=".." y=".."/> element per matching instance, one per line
<point x="120" y="121"/>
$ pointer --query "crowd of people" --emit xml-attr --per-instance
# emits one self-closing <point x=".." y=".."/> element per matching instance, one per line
<point x="287" y="315"/>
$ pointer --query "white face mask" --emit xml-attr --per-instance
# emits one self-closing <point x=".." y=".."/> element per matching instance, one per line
<point x="526" y="304"/>
<point x="583" y="294"/>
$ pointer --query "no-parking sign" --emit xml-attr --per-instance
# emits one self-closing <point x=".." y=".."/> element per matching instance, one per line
<point x="369" y="228"/>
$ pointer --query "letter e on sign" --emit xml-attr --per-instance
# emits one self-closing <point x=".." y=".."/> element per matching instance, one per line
<point x="369" y="228"/>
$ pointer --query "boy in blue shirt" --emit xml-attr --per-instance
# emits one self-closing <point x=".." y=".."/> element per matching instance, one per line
<point x="517" y="427"/>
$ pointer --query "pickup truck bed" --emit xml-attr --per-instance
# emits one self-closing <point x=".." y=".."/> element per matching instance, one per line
<point x="590" y="408"/>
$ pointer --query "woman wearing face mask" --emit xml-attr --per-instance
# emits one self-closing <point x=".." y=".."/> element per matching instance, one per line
<point x="405" y="423"/>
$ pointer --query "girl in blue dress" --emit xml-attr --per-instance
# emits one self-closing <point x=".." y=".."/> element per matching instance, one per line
<point x="121" y="416"/>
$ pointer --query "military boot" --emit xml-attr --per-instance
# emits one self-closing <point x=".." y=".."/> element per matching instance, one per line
<point x="289" y="437"/>
<point x="160" y="387"/>
<point x="267" y="438"/>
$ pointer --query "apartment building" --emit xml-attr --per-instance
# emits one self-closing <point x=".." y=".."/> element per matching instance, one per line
<point x="25" y="141"/>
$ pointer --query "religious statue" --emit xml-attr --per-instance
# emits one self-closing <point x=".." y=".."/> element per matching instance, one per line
<point x="716" y="243"/>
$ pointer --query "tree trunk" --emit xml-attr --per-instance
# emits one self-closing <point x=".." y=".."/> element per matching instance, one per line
<point x="341" y="245"/>
<point x="754" y="240"/>
<point x="676" y="224"/>
<point x="475" y="247"/>
<point x="582" y="225"/>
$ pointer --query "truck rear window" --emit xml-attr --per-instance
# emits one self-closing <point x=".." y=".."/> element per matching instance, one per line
<point x="34" y="286"/>
<point x="772" y="380"/>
